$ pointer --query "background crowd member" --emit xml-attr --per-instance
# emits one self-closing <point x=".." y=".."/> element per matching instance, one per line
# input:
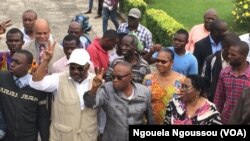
<point x="162" y="83"/>
<point x="98" y="49"/>
<point x="201" y="31"/>
<point x="215" y="62"/>
<point x="29" y="17"/>
<point x="82" y="31"/>
<point x="246" y="38"/>
<point x="76" y="30"/>
<point x="70" y="42"/>
<point x="24" y="108"/>
<point x="99" y="9"/>
<point x="232" y="80"/>
<point x="69" y="111"/>
<point x="124" y="102"/>
<point x="14" y="41"/>
<point x="129" y="51"/>
<point x="119" y="44"/>
<point x="109" y="10"/>
<point x="241" y="114"/>
<point x="191" y="107"/>
<point x="184" y="62"/>
<point x="90" y="7"/>
<point x="211" y="43"/>
<point x="133" y="26"/>
<point x="40" y="43"/>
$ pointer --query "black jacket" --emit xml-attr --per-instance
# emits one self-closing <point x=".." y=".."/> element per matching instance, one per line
<point x="24" y="110"/>
<point x="211" y="70"/>
<point x="202" y="49"/>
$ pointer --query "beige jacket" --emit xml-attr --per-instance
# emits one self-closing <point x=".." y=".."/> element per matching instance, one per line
<point x="58" y="53"/>
<point x="69" y="123"/>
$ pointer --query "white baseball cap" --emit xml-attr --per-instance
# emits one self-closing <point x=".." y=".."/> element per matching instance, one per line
<point x="79" y="56"/>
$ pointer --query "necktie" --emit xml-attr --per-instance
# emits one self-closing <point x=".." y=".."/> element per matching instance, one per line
<point x="18" y="83"/>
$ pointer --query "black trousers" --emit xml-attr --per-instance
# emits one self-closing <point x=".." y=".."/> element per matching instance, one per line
<point x="100" y="3"/>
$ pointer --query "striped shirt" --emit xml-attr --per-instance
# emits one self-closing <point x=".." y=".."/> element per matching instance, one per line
<point x="143" y="34"/>
<point x="229" y="88"/>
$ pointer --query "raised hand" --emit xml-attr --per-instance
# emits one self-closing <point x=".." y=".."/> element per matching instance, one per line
<point x="48" y="52"/>
<point x="97" y="81"/>
<point x="4" y="25"/>
<point x="156" y="47"/>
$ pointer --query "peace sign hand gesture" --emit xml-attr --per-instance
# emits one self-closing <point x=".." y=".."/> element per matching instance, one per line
<point x="4" y="25"/>
<point x="48" y="52"/>
<point x="97" y="81"/>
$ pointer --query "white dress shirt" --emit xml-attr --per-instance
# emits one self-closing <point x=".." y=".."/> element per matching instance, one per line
<point x="50" y="83"/>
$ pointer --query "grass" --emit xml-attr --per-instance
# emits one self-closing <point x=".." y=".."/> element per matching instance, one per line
<point x="190" y="12"/>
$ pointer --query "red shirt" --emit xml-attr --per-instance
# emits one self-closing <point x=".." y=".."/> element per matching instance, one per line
<point x="228" y="91"/>
<point x="98" y="55"/>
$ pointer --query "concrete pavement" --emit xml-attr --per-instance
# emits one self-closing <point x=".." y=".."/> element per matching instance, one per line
<point x="58" y="12"/>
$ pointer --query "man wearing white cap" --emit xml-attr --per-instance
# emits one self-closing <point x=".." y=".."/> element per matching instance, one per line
<point x="133" y="26"/>
<point x="71" y="120"/>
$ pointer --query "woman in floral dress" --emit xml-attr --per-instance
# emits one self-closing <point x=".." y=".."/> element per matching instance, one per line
<point x="191" y="107"/>
<point x="162" y="83"/>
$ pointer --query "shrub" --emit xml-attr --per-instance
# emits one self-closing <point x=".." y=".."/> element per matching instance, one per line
<point x="241" y="11"/>
<point x="161" y="25"/>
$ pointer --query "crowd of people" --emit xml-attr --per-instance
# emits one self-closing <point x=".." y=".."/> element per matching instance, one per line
<point x="77" y="89"/>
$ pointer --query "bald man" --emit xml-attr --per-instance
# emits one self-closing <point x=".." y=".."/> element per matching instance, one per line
<point x="40" y="42"/>
<point x="75" y="28"/>
<point x="201" y="31"/>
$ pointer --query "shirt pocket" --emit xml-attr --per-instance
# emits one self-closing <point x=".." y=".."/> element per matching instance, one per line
<point x="115" y="110"/>
<point x="138" y="111"/>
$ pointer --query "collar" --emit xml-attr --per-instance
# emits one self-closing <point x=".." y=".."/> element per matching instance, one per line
<point x="24" y="80"/>
<point x="221" y="56"/>
<point x="229" y="70"/>
<point x="212" y="41"/>
<point x="139" y="28"/>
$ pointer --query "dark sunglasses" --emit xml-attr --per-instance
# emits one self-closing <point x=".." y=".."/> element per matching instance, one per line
<point x="113" y="77"/>
<point x="162" y="61"/>
<point x="72" y="68"/>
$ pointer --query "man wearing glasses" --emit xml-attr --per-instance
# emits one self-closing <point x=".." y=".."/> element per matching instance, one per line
<point x="124" y="102"/>
<point x="71" y="120"/>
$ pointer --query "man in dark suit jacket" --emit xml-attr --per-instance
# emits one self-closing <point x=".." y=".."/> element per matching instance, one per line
<point x="217" y="61"/>
<point x="211" y="43"/>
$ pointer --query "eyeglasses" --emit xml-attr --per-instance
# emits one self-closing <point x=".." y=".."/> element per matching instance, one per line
<point x="185" y="87"/>
<point x="119" y="77"/>
<point x="72" y="68"/>
<point x="162" y="61"/>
